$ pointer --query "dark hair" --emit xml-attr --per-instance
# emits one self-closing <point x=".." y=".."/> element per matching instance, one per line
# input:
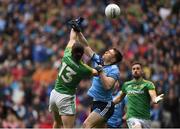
<point x="77" y="51"/>
<point x="136" y="62"/>
<point x="118" y="56"/>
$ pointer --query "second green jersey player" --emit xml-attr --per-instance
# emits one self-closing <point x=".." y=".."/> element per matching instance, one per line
<point x="138" y="98"/>
<point x="139" y="94"/>
<point x="71" y="71"/>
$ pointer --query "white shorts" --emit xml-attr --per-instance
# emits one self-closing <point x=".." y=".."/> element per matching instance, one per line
<point x="141" y="122"/>
<point x="62" y="103"/>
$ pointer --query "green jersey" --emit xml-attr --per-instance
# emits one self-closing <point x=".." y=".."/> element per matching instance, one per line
<point x="70" y="74"/>
<point x="138" y="104"/>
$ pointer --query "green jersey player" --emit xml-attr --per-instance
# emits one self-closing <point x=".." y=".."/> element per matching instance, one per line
<point x="139" y="93"/>
<point x="71" y="72"/>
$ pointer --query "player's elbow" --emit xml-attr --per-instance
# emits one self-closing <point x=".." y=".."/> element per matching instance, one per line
<point x="116" y="101"/>
<point x="94" y="72"/>
<point x="108" y="86"/>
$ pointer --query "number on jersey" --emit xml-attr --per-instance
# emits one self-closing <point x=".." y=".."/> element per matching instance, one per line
<point x="67" y="77"/>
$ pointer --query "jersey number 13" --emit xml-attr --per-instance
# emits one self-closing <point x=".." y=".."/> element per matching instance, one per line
<point x="67" y="76"/>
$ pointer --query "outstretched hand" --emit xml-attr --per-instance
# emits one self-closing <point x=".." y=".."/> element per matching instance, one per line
<point x="159" y="98"/>
<point x="76" y="24"/>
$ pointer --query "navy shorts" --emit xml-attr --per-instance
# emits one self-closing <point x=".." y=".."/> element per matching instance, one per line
<point x="105" y="109"/>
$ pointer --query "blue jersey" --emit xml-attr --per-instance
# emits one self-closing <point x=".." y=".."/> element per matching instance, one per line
<point x="97" y="91"/>
<point x="116" y="119"/>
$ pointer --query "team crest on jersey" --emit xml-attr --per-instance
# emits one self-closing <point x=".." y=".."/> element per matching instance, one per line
<point x="141" y="86"/>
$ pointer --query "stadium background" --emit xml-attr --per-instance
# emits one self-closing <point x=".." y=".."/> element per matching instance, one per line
<point x="33" y="35"/>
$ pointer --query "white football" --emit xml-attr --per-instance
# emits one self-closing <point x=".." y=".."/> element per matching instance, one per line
<point x="112" y="11"/>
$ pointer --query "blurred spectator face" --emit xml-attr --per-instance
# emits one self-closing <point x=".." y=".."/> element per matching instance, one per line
<point x="171" y="94"/>
<point x="136" y="71"/>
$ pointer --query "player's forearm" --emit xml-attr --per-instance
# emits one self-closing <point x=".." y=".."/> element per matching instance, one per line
<point x="82" y="39"/>
<point x="119" y="98"/>
<point x="107" y="84"/>
<point x="154" y="97"/>
<point x="73" y="35"/>
<point x="88" y="51"/>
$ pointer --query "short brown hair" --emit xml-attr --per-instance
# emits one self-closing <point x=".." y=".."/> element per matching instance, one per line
<point x="118" y="56"/>
<point x="136" y="62"/>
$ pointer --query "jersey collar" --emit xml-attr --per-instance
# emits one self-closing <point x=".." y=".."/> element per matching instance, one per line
<point x="139" y="80"/>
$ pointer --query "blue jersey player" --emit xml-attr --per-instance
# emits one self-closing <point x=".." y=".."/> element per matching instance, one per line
<point x="102" y="85"/>
<point x="116" y="121"/>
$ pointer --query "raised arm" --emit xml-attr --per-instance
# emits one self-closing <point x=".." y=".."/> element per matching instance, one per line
<point x="73" y="38"/>
<point x="154" y="96"/>
<point x="75" y="24"/>
<point x="88" y="51"/>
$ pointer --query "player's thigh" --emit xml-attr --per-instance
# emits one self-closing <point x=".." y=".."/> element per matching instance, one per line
<point x="54" y="109"/>
<point x="67" y="106"/>
<point x="64" y="104"/>
<point x="94" y="120"/>
<point x="52" y="101"/>
<point x="104" y="109"/>
<point x="134" y="123"/>
<point x="68" y="121"/>
<point x="67" y="110"/>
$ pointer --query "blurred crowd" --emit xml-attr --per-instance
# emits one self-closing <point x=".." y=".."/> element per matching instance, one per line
<point x="34" y="33"/>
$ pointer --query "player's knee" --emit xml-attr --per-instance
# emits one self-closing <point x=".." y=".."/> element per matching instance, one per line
<point x="86" y="125"/>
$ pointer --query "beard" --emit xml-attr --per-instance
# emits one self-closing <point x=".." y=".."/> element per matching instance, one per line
<point x="137" y="76"/>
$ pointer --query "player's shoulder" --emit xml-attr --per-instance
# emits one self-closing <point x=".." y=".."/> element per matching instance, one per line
<point x="149" y="84"/>
<point x="95" y="56"/>
<point x="114" y="67"/>
<point x="128" y="82"/>
<point x="147" y="81"/>
<point x="67" y="52"/>
<point x="68" y="49"/>
<point x="83" y="64"/>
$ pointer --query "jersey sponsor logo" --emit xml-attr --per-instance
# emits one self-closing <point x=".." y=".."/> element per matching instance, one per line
<point x="136" y="86"/>
<point x="135" y="92"/>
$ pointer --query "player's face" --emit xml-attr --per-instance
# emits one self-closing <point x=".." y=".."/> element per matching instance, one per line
<point x="109" y="56"/>
<point x="136" y="71"/>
